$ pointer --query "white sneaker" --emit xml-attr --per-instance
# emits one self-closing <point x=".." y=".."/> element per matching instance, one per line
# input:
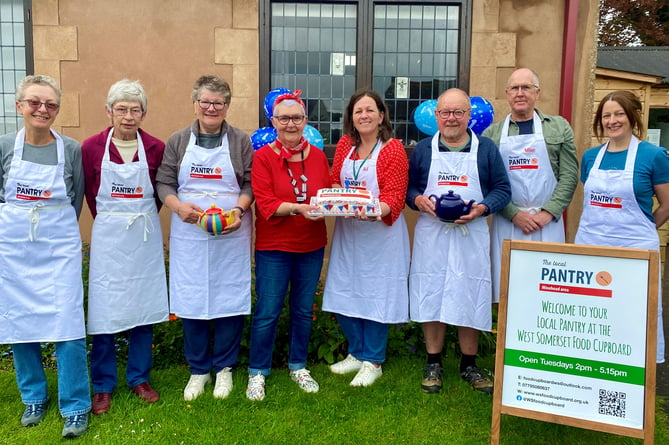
<point x="349" y="364"/>
<point x="367" y="374"/>
<point x="256" y="387"/>
<point x="304" y="380"/>
<point x="195" y="386"/>
<point x="223" y="383"/>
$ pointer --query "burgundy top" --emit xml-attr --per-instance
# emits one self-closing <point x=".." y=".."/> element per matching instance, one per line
<point x="93" y="150"/>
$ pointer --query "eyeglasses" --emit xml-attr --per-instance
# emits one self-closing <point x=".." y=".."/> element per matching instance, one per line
<point x="458" y="114"/>
<point x="524" y="88"/>
<point x="205" y="104"/>
<point x="36" y="104"/>
<point x="297" y="119"/>
<point x="122" y="111"/>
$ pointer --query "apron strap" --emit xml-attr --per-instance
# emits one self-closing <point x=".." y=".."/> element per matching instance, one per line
<point x="33" y="216"/>
<point x="148" y="223"/>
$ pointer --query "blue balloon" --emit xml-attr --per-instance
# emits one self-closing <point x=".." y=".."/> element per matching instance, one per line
<point x="263" y="136"/>
<point x="424" y="117"/>
<point x="270" y="97"/>
<point x="313" y="136"/>
<point x="482" y="114"/>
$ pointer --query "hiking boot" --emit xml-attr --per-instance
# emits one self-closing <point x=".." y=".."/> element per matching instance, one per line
<point x="75" y="426"/>
<point x="195" y="386"/>
<point x="256" y="387"/>
<point x="349" y="364"/>
<point x="432" y="378"/>
<point x="477" y="379"/>
<point x="33" y="414"/>
<point x="367" y="374"/>
<point x="304" y="380"/>
<point x="223" y="385"/>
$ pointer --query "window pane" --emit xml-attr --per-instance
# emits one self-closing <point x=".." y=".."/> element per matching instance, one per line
<point x="421" y="47"/>
<point x="320" y="41"/>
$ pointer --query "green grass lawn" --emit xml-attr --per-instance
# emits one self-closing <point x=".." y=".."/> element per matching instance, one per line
<point x="393" y="410"/>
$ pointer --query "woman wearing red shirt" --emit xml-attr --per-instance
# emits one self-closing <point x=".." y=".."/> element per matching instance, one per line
<point x="289" y="242"/>
<point x="366" y="284"/>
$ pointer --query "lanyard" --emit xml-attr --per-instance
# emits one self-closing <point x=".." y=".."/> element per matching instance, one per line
<point x="356" y="173"/>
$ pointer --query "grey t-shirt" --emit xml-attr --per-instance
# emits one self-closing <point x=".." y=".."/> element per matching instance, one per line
<point x="47" y="155"/>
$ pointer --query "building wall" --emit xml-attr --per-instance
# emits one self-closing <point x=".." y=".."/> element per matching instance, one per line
<point x="88" y="44"/>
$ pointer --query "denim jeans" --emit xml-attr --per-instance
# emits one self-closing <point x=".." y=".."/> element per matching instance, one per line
<point x="275" y="270"/>
<point x="103" y="359"/>
<point x="367" y="339"/>
<point x="74" y="394"/>
<point x="223" y="354"/>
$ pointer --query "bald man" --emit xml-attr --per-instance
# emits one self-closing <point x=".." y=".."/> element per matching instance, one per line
<point x="540" y="159"/>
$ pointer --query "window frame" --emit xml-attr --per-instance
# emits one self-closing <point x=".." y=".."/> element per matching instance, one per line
<point x="364" y="41"/>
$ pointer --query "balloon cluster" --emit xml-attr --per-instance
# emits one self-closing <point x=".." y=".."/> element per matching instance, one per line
<point x="266" y="135"/>
<point x="481" y="117"/>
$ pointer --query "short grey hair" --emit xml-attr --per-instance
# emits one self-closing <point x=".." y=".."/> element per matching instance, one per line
<point x="127" y="90"/>
<point x="214" y="84"/>
<point x="37" y="79"/>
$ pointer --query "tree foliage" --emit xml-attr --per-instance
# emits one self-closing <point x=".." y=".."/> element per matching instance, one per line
<point x="634" y="23"/>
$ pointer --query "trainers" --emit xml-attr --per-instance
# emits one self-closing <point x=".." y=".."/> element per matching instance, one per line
<point x="223" y="385"/>
<point x="195" y="386"/>
<point x="304" y="380"/>
<point x="367" y="374"/>
<point x="349" y="364"/>
<point x="75" y="426"/>
<point x="477" y="379"/>
<point x="432" y="378"/>
<point x="256" y="387"/>
<point x="33" y="414"/>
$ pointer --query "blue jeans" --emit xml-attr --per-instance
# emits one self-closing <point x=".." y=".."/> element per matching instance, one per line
<point x="275" y="270"/>
<point x="74" y="393"/>
<point x="367" y="339"/>
<point x="103" y="359"/>
<point x="225" y="350"/>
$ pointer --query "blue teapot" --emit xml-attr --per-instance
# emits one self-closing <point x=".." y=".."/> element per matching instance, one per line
<point x="450" y="207"/>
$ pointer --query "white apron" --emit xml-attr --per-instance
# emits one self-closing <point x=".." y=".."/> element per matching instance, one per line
<point x="127" y="284"/>
<point x="40" y="254"/>
<point x="369" y="261"/>
<point x="532" y="184"/>
<point x="450" y="268"/>
<point x="624" y="226"/>
<point x="210" y="276"/>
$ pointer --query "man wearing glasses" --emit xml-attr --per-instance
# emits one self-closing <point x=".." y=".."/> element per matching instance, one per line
<point x="127" y="288"/>
<point x="449" y="281"/>
<point x="540" y="158"/>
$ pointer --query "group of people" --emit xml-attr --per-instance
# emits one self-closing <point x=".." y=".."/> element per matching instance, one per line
<point x="373" y="279"/>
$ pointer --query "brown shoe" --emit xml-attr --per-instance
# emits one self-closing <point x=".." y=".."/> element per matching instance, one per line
<point x="101" y="402"/>
<point x="145" y="392"/>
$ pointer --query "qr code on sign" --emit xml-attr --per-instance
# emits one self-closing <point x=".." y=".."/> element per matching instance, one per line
<point x="612" y="403"/>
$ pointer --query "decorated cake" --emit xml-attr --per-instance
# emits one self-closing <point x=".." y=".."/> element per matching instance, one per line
<point x="345" y="202"/>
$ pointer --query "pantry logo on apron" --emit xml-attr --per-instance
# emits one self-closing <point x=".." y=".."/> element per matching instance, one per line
<point x="452" y="179"/>
<point x="604" y="200"/>
<point x="354" y="184"/>
<point x="200" y="171"/>
<point x="28" y="193"/>
<point x="123" y="192"/>
<point x="523" y="163"/>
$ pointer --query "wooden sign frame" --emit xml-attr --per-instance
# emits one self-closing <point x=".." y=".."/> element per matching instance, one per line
<point x="647" y="432"/>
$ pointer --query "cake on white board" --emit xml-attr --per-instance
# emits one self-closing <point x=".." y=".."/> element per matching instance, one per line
<point x="345" y="202"/>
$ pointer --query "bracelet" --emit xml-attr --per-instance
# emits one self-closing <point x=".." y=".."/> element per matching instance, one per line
<point x="241" y="211"/>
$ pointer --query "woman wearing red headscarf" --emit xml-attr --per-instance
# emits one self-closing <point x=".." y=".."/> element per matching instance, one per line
<point x="289" y="242"/>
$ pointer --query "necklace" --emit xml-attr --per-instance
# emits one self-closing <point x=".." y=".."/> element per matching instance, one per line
<point x="300" y="194"/>
<point x="356" y="173"/>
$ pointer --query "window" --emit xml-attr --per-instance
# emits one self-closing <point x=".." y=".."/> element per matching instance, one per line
<point x="408" y="52"/>
<point x="15" y="57"/>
